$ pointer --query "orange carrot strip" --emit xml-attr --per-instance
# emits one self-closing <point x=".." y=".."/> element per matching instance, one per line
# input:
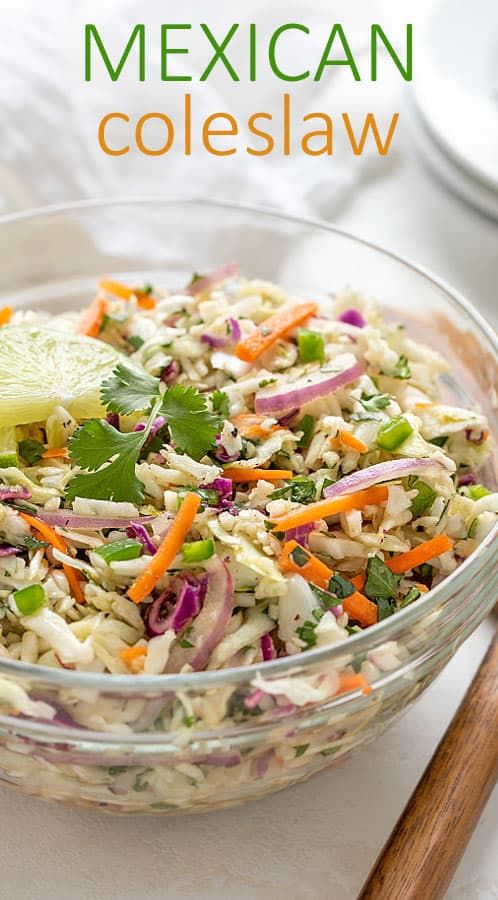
<point x="272" y="329"/>
<point x="73" y="576"/>
<point x="250" y="426"/>
<point x="169" y="548"/>
<point x="324" y="508"/>
<point x="361" y="609"/>
<point x="354" y="443"/>
<point x="5" y="315"/>
<point x="420" y="555"/>
<point x="359" y="581"/>
<point x="144" y="301"/>
<point x="352" y="683"/>
<point x="240" y="474"/>
<point x="128" y="654"/>
<point x="91" y="321"/>
<point x="356" y="605"/>
<point x="55" y="453"/>
<point x="313" y="569"/>
<point x="421" y="587"/>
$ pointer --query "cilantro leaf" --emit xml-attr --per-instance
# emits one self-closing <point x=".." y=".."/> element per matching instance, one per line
<point x="193" y="428"/>
<point x="385" y="608"/>
<point x="129" y="390"/>
<point x="31" y="450"/>
<point x="381" y="585"/>
<point x="402" y="369"/>
<point x="299" y="490"/>
<point x="412" y="595"/>
<point x="92" y="446"/>
<point x="364" y="417"/>
<point x="221" y="403"/>
<point x="375" y="401"/>
<point x="341" y="587"/>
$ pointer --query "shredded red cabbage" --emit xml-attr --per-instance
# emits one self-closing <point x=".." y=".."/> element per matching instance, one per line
<point x="467" y="479"/>
<point x="138" y="531"/>
<point x="234" y="327"/>
<point x="221" y="454"/>
<point x="113" y="419"/>
<point x="268" y="647"/>
<point x="6" y="550"/>
<point x="352" y="317"/>
<point x="13" y="493"/>
<point x="212" y="341"/>
<point x="171" y="372"/>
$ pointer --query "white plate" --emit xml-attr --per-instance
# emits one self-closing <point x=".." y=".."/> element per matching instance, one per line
<point x="456" y="84"/>
<point x="455" y="178"/>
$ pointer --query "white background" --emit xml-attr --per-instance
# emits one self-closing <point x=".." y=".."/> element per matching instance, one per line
<point x="318" y="839"/>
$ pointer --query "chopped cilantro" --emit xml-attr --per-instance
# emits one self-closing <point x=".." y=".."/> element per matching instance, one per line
<point x="325" y="599"/>
<point x="299" y="490"/>
<point x="128" y="390"/>
<point x="266" y="381"/>
<point x="220" y="403"/>
<point x="341" y="587"/>
<point x="31" y="451"/>
<point x="385" y="608"/>
<point x="306" y="633"/>
<point x="402" y="369"/>
<point x="307" y="426"/>
<point x="117" y="770"/>
<point x="381" y="584"/>
<point x="300" y="749"/>
<point x="413" y="594"/>
<point x="32" y="543"/>
<point x="375" y="401"/>
<point x="424" y="499"/>
<point x="299" y="556"/>
<point x="439" y="441"/>
<point x="135" y="341"/>
<point x="364" y="417"/>
<point x="188" y="721"/>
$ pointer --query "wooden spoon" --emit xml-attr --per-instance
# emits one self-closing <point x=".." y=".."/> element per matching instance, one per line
<point x="427" y="843"/>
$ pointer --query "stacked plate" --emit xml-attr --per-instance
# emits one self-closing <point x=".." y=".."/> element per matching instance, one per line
<point x="455" y="99"/>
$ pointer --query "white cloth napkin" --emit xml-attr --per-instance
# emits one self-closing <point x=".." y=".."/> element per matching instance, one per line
<point x="49" y="150"/>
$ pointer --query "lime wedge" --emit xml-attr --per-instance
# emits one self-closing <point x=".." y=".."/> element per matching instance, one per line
<point x="41" y="368"/>
<point x="8" y="448"/>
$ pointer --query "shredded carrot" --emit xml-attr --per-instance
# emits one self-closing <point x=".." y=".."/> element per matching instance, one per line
<point x="312" y="569"/>
<point x="361" y="609"/>
<point x="144" y="300"/>
<point x="93" y="317"/>
<point x="5" y="315"/>
<point x="359" y="581"/>
<point x="349" y="440"/>
<point x="272" y="329"/>
<point x="238" y="473"/>
<point x="48" y="534"/>
<point x="421" y="587"/>
<point x="131" y="653"/>
<point x="420" y="555"/>
<point x="250" y="426"/>
<point x="324" y="508"/>
<point x="167" y="551"/>
<point x="353" y="683"/>
<point x="55" y="453"/>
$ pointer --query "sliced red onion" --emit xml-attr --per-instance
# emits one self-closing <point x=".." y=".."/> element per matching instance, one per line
<point x="189" y="602"/>
<point x="467" y="479"/>
<point x="480" y="439"/>
<point x="227" y="760"/>
<point x="157" y="614"/>
<point x="209" y="626"/>
<point x="66" y="518"/>
<point x="234" y="328"/>
<point x="135" y="530"/>
<point x="212" y="341"/>
<point x="384" y="471"/>
<point x="286" y="420"/>
<point x="352" y="317"/>
<point x="6" y="550"/>
<point x="113" y="419"/>
<point x="268" y="647"/>
<point x="305" y="390"/>
<point x="261" y="763"/>
<point x="300" y="533"/>
<point x="13" y="493"/>
<point x="171" y="372"/>
<point x="209" y="281"/>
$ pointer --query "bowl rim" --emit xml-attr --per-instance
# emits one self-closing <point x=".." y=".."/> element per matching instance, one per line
<point x="289" y="665"/>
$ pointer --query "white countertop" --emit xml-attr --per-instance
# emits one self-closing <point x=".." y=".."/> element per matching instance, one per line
<point x="317" y="839"/>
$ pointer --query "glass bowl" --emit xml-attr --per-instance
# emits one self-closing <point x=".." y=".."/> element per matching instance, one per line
<point x="125" y="743"/>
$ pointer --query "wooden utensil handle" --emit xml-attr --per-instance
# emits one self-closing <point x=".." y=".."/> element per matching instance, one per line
<point x="423" y="851"/>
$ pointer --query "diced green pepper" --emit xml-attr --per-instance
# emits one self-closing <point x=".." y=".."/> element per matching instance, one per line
<point x="30" y="599"/>
<point x="311" y="347"/>
<point x="307" y="426"/>
<point x="120" y="551"/>
<point x="477" y="491"/>
<point x="198" y="551"/>
<point x="394" y="433"/>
